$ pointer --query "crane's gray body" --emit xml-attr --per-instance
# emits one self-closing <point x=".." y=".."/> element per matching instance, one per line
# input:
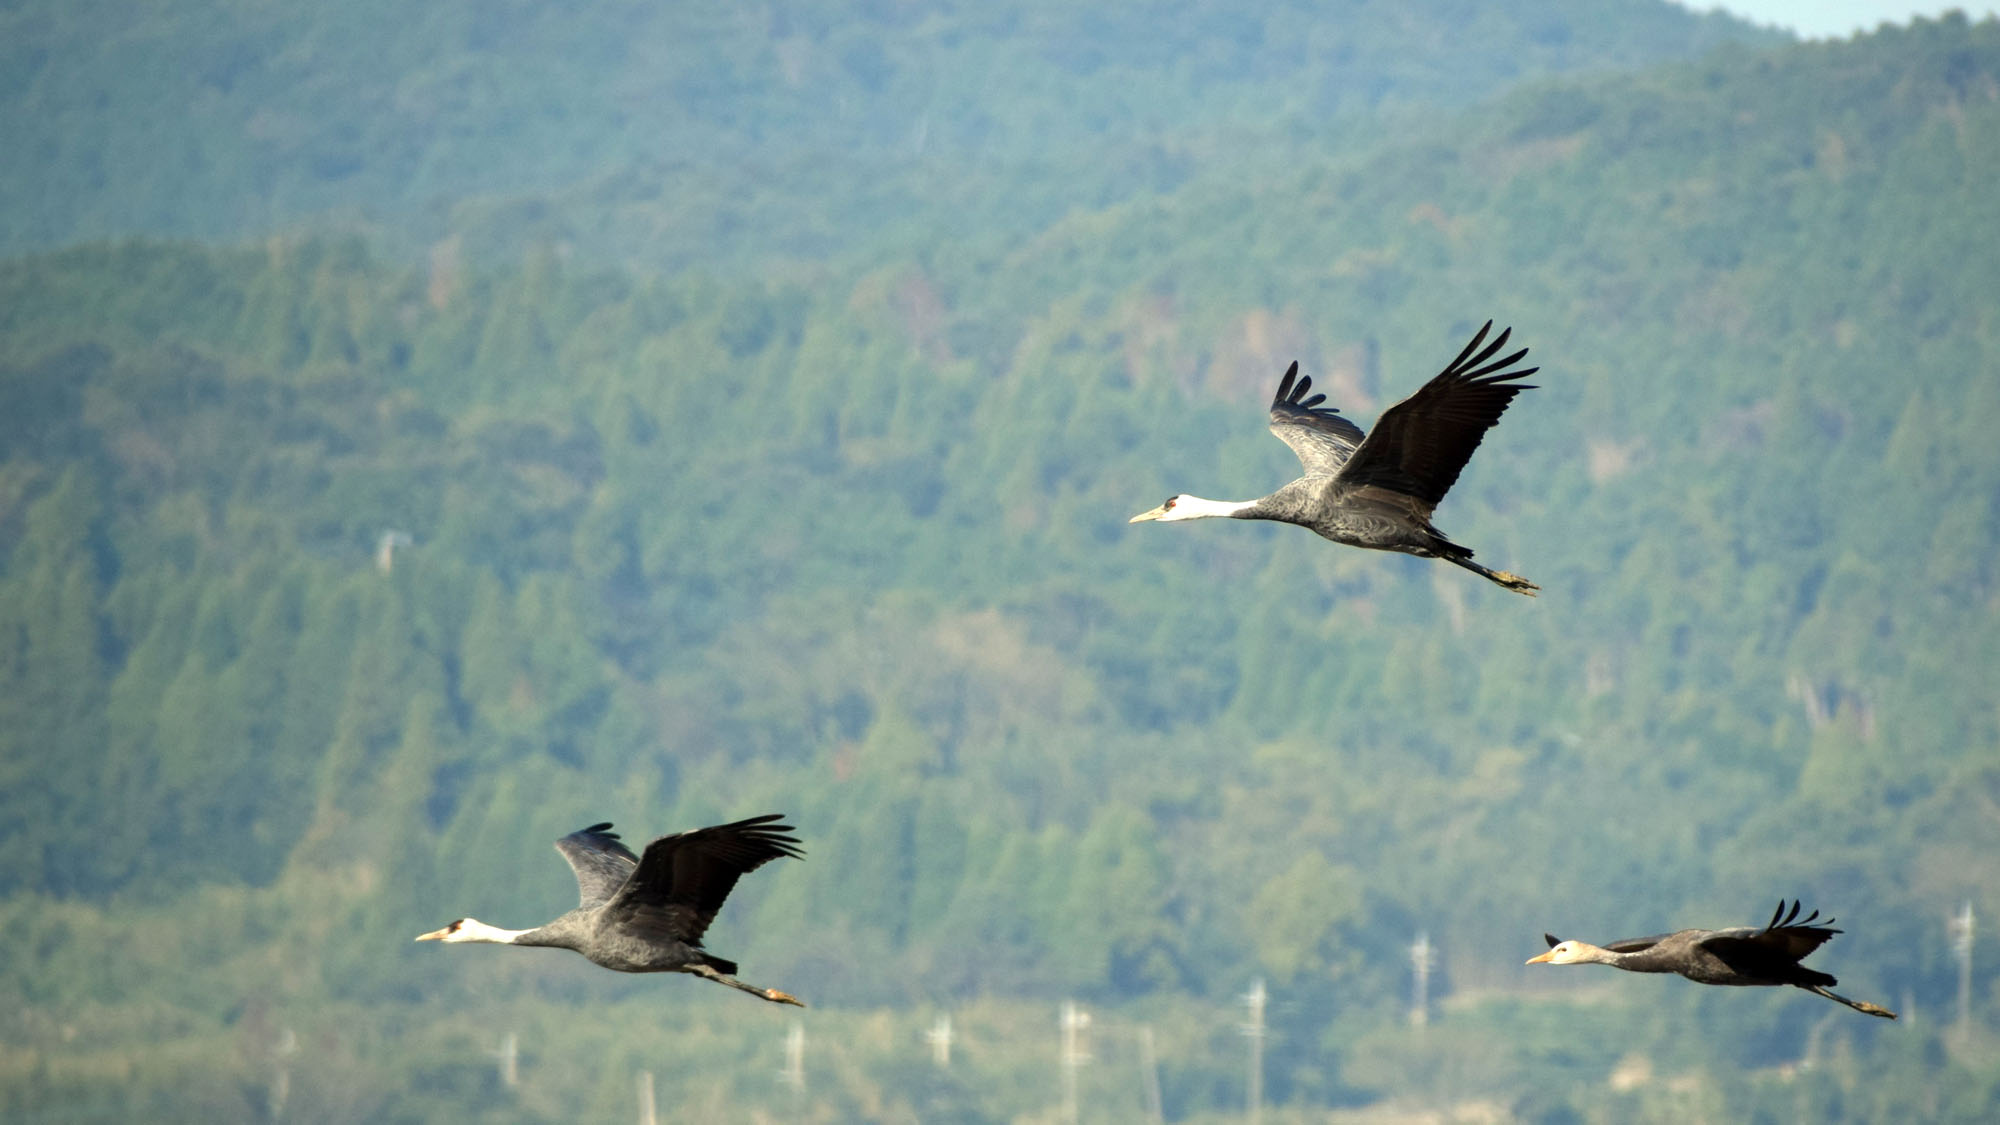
<point x="1365" y="517"/>
<point x="608" y="944"/>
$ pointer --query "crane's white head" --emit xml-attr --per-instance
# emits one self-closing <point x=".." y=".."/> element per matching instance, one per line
<point x="1184" y="507"/>
<point x="1566" y="952"/>
<point x="472" y="929"/>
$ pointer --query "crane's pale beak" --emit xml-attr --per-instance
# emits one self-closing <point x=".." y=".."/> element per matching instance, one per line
<point x="1549" y="956"/>
<point x="1142" y="517"/>
<point x="434" y="935"/>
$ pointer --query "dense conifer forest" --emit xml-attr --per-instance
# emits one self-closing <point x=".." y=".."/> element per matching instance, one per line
<point x="412" y="454"/>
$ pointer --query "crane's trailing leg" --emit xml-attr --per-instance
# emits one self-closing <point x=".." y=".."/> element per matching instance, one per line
<point x="1857" y="1005"/>
<point x="1513" y="582"/>
<point x="770" y="994"/>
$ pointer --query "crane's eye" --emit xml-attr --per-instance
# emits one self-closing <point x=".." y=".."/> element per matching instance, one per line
<point x="1171" y="501"/>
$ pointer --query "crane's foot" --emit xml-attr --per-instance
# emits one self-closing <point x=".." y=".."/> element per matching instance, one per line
<point x="773" y="994"/>
<point x="1515" y="583"/>
<point x="1862" y="1006"/>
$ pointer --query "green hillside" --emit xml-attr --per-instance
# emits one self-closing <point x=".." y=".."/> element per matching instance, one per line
<point x="670" y="135"/>
<point x="851" y="544"/>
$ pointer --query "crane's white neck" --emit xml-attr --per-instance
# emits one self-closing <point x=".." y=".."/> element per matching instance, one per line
<point x="1590" y="954"/>
<point x="472" y="929"/>
<point x="1574" y="952"/>
<point x="1195" y="508"/>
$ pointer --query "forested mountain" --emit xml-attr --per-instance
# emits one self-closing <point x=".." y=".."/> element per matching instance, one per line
<point x="850" y="544"/>
<point x="677" y="134"/>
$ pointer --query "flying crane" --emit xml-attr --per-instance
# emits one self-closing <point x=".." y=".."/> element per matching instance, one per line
<point x="1377" y="490"/>
<point x="647" y="915"/>
<point x="1744" y="955"/>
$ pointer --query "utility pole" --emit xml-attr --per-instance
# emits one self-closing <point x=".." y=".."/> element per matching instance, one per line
<point x="509" y="1055"/>
<point x="794" y="1073"/>
<point x="281" y="1082"/>
<point x="1255" y="1030"/>
<point x="1810" y="1058"/>
<point x="939" y="1037"/>
<point x="1422" y="957"/>
<point x="385" y="549"/>
<point x="1149" y="1066"/>
<point x="1961" y="949"/>
<point x="1073" y="1021"/>
<point x="648" y="1112"/>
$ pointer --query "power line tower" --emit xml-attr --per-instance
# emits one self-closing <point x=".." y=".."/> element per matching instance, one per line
<point x="1073" y="1021"/>
<point x="648" y="1109"/>
<point x="1255" y="1000"/>
<point x="509" y="1057"/>
<point x="1422" y="957"/>
<point x="281" y="1082"/>
<point x="794" y="1074"/>
<point x="385" y="549"/>
<point x="939" y="1037"/>
<point x="1961" y="950"/>
<point x="1149" y="1066"/>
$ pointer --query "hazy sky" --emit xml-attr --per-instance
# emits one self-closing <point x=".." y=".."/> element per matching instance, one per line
<point x="1819" y="19"/>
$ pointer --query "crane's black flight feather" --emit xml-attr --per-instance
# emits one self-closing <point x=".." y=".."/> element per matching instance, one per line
<point x="682" y="879"/>
<point x="1421" y="444"/>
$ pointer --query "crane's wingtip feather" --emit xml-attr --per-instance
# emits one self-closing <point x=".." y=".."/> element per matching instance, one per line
<point x="1284" y="394"/>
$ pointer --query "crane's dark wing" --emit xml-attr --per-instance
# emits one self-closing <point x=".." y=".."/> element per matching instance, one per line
<point x="1422" y="442"/>
<point x="1635" y="944"/>
<point x="1318" y="434"/>
<point x="1786" y="939"/>
<point x="682" y="879"/>
<point x="1628" y="945"/>
<point x="601" y="863"/>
